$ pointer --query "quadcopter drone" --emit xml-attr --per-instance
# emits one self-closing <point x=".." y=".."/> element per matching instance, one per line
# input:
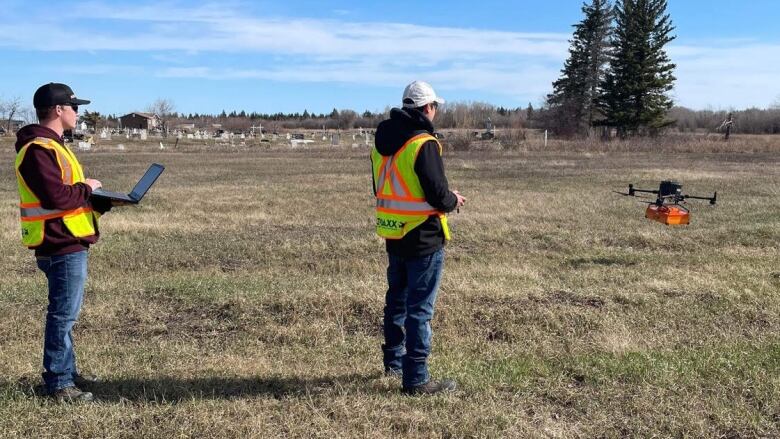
<point x="666" y="208"/>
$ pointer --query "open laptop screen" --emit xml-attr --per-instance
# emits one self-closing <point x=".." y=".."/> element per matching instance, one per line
<point x="146" y="181"/>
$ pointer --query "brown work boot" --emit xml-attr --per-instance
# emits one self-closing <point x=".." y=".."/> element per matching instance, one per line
<point x="72" y="394"/>
<point x="85" y="380"/>
<point x="431" y="387"/>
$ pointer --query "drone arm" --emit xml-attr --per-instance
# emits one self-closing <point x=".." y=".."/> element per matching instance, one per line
<point x="631" y="189"/>
<point x="712" y="199"/>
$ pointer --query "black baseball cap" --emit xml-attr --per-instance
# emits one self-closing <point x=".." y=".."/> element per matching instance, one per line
<point x="53" y="93"/>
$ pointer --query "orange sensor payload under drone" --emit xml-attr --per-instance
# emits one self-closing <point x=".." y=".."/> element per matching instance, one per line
<point x="667" y="208"/>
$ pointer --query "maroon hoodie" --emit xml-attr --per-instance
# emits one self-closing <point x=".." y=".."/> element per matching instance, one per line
<point x="42" y="174"/>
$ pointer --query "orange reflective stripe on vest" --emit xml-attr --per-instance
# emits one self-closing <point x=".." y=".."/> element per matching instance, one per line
<point x="39" y="213"/>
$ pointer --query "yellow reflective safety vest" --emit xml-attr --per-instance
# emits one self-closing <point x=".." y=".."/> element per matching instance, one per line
<point x="81" y="222"/>
<point x="400" y="200"/>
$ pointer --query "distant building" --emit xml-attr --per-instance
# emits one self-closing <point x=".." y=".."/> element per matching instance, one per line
<point x="141" y="121"/>
<point x="186" y="127"/>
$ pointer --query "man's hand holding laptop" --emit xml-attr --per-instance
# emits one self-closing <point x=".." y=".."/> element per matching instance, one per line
<point x="94" y="184"/>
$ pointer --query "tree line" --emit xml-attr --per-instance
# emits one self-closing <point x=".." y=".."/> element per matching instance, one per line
<point x="465" y="115"/>
<point x="473" y="115"/>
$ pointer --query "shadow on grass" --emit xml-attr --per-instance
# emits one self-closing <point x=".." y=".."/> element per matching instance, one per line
<point x="176" y="390"/>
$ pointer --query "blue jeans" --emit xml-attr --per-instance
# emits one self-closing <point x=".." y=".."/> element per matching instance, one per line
<point x="66" y="275"/>
<point x="411" y="294"/>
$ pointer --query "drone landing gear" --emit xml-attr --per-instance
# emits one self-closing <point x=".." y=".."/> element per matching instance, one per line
<point x="668" y="214"/>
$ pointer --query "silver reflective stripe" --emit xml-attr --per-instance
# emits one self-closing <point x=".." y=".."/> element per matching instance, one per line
<point x="412" y="206"/>
<point x="27" y="212"/>
<point x="383" y="175"/>
<point x="67" y="172"/>
<point x="397" y="188"/>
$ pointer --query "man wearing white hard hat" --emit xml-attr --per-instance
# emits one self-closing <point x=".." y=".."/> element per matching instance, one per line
<point x="412" y="200"/>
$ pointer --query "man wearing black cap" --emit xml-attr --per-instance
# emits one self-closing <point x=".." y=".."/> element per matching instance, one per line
<point x="60" y="222"/>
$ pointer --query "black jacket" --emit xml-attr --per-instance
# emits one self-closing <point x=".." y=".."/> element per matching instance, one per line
<point x="391" y="135"/>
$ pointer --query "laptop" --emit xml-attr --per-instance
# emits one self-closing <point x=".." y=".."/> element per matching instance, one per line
<point x="140" y="189"/>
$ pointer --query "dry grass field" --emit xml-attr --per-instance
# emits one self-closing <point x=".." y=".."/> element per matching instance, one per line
<point x="243" y="298"/>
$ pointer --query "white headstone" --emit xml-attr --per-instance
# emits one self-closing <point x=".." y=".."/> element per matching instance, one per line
<point x="120" y="147"/>
<point x="143" y="134"/>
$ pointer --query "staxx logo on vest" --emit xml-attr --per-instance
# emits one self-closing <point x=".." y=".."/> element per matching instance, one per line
<point x="390" y="224"/>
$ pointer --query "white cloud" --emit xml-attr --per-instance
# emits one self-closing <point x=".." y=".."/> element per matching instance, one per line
<point x="738" y="75"/>
<point x="720" y="73"/>
<point x="220" y="29"/>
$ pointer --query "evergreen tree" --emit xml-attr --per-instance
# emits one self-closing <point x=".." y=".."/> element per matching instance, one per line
<point x="92" y="119"/>
<point x="640" y="73"/>
<point x="529" y="115"/>
<point x="573" y="102"/>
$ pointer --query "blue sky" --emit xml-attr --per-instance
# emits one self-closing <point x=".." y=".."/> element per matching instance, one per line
<point x="264" y="56"/>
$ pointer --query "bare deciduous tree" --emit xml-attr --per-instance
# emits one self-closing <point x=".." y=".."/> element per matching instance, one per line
<point x="9" y="108"/>
<point x="164" y="109"/>
<point x="347" y="119"/>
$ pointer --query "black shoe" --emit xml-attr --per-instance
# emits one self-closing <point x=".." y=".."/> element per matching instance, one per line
<point x="72" y="394"/>
<point x="431" y="387"/>
<point x="394" y="373"/>
<point x="85" y="380"/>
